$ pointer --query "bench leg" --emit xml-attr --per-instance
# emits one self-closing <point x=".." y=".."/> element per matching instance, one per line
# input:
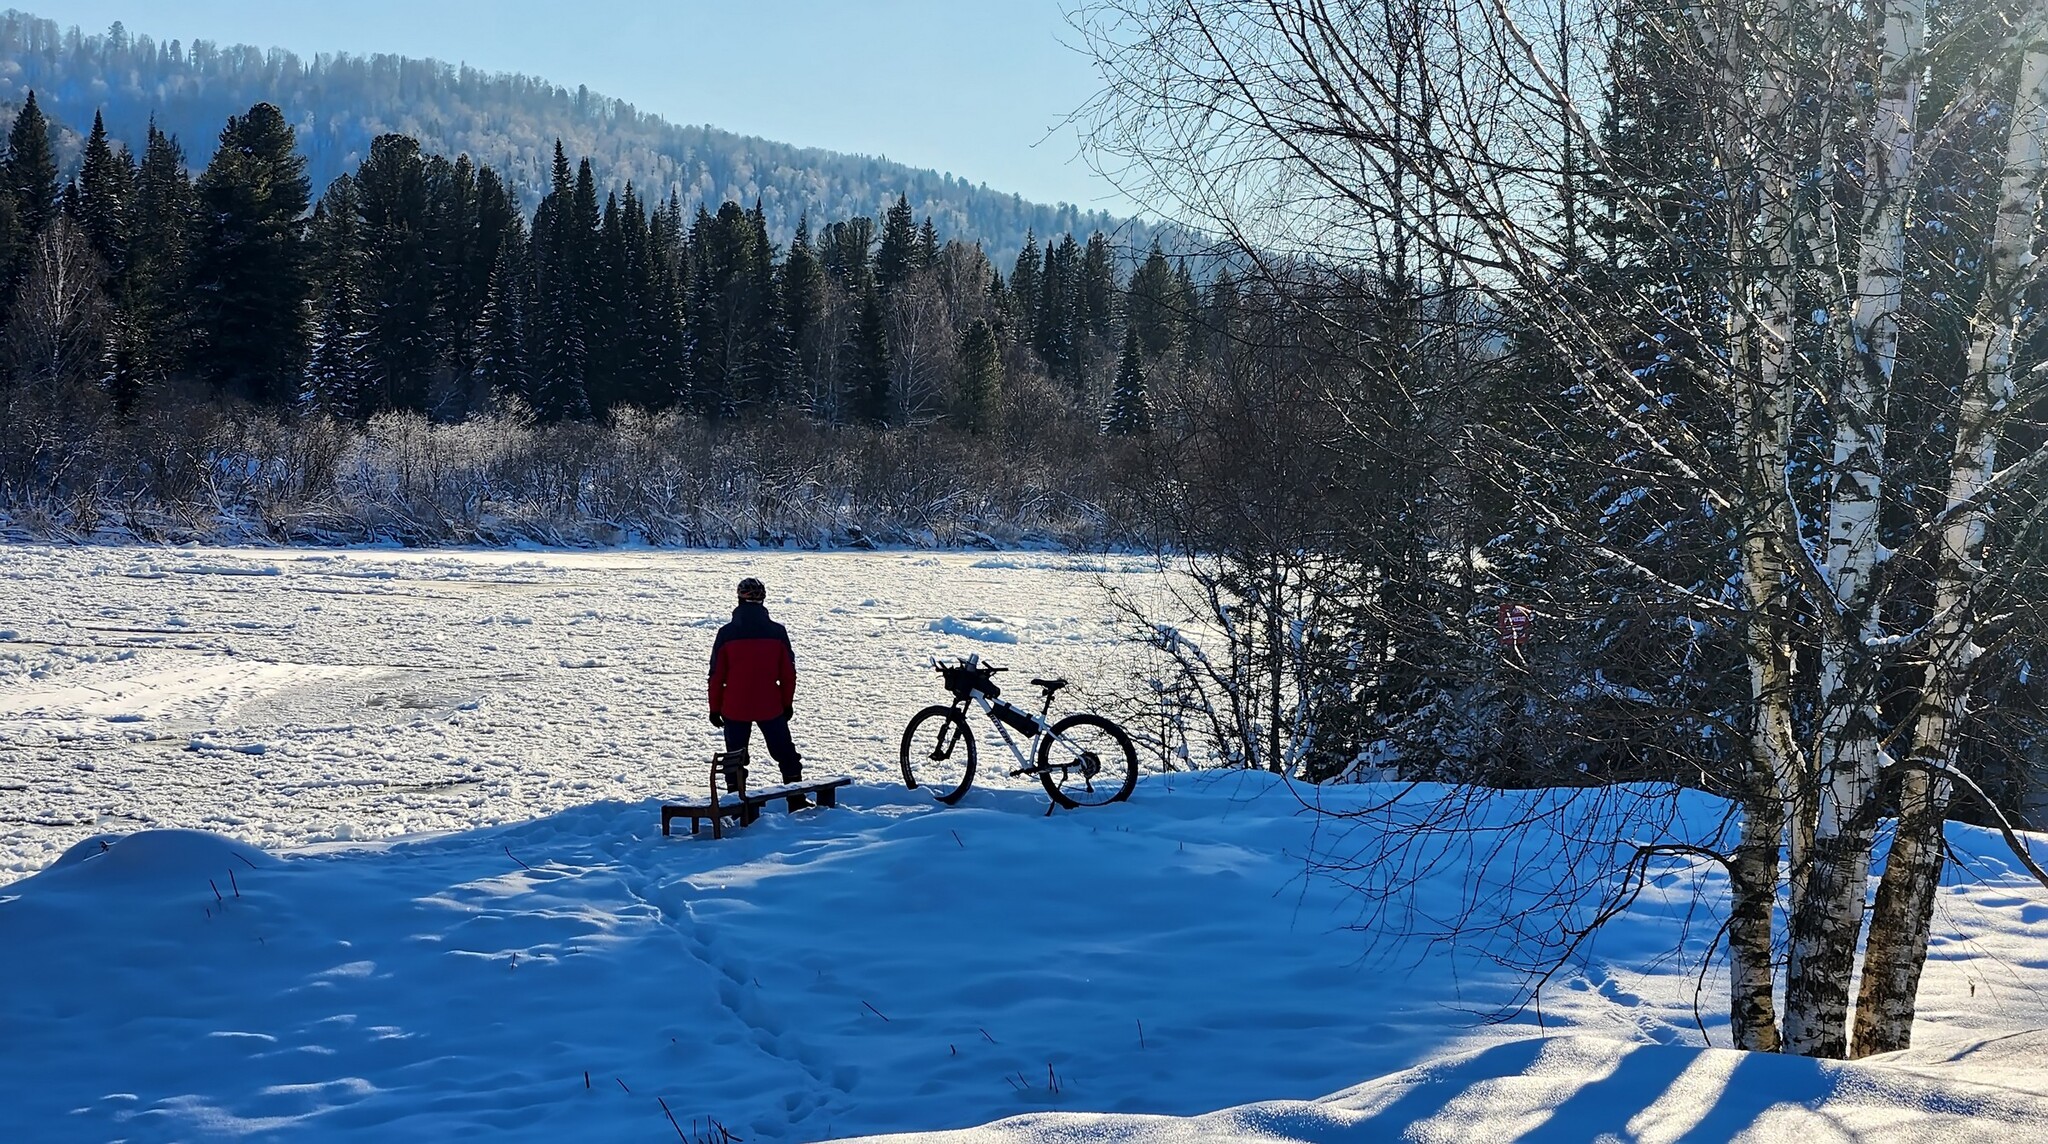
<point x="666" y="818"/>
<point x="828" y="796"/>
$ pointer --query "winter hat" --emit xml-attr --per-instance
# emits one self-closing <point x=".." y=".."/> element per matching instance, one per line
<point x="752" y="591"/>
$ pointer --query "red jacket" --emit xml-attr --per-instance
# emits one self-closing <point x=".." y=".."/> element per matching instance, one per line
<point x="753" y="672"/>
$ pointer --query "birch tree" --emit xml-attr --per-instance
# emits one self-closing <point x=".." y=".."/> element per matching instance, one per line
<point x="1306" y="129"/>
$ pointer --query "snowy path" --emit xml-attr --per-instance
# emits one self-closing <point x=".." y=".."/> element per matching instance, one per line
<point x="297" y="696"/>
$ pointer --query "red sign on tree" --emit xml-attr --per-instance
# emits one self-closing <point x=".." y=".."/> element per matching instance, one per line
<point x="1514" y="625"/>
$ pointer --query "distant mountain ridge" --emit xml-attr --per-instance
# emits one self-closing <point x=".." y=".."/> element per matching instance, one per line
<point x="338" y="103"/>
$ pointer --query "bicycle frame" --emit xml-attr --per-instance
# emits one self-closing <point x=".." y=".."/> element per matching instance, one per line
<point x="1023" y="754"/>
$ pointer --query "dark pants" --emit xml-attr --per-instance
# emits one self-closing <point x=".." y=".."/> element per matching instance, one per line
<point x="780" y="747"/>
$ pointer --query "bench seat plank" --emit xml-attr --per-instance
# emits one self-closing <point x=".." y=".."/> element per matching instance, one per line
<point x="747" y="805"/>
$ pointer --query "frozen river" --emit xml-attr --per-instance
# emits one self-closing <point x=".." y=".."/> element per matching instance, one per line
<point x="298" y="696"/>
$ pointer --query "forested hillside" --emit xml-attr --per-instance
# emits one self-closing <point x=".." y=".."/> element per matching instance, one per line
<point x="337" y="104"/>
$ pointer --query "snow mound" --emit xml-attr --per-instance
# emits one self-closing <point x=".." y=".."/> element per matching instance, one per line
<point x="189" y="856"/>
<point x="956" y="627"/>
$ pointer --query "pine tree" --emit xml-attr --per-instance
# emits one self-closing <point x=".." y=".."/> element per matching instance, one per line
<point x="897" y="258"/>
<point x="1130" y="407"/>
<point x="926" y="254"/>
<point x="249" y="264"/>
<point x="981" y="377"/>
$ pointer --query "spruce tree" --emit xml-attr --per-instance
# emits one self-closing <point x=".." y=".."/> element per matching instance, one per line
<point x="1153" y="305"/>
<point x="609" y="315"/>
<point x="768" y="345"/>
<point x="501" y="351"/>
<point x="896" y="260"/>
<point x="1054" y="328"/>
<point x="926" y="254"/>
<point x="399" y="279"/>
<point x="105" y="196"/>
<point x="248" y="312"/>
<point x="803" y="309"/>
<point x="981" y="377"/>
<point x="461" y="250"/>
<point x="28" y="178"/>
<point x="338" y="372"/>
<point x="867" y="361"/>
<point x="1130" y="407"/>
<point x="561" y="239"/>
<point x="1098" y="286"/>
<point x="158" y="267"/>
<point x="1002" y="305"/>
<point x="30" y="169"/>
<point x="847" y="253"/>
<point x="99" y="202"/>
<point x="1024" y="287"/>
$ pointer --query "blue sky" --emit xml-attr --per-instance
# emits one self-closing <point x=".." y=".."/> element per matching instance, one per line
<point x="975" y="87"/>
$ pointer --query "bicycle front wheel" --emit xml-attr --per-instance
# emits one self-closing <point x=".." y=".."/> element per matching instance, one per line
<point x="1086" y="760"/>
<point x="938" y="754"/>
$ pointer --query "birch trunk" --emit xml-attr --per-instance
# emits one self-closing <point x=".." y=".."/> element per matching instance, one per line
<point x="1828" y="917"/>
<point x="1897" y="950"/>
<point x="1762" y="246"/>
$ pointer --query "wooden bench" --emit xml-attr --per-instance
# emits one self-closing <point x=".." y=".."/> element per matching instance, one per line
<point x="746" y="805"/>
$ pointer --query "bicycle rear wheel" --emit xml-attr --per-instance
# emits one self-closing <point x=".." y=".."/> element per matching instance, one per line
<point x="938" y="754"/>
<point x="1086" y="760"/>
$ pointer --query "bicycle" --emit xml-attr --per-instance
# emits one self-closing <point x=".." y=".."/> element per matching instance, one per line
<point x="1083" y="760"/>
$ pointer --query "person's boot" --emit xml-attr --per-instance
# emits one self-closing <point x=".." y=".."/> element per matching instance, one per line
<point x="734" y="766"/>
<point x="793" y="772"/>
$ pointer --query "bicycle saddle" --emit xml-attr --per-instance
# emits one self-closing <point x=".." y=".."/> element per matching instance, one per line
<point x="1050" y="685"/>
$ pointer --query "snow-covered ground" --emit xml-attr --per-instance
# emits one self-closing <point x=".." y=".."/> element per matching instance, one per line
<point x="549" y="967"/>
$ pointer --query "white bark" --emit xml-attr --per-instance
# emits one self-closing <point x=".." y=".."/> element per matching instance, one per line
<point x="1899" y="929"/>
<point x="1761" y="349"/>
<point x="1829" y="914"/>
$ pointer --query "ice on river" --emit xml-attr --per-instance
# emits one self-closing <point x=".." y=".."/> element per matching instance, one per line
<point x="293" y="696"/>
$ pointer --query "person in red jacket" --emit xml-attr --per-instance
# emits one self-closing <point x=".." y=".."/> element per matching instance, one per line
<point x="753" y="680"/>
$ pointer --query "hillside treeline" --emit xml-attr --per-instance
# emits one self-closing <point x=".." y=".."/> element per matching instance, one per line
<point x="340" y="103"/>
<point x="414" y="294"/>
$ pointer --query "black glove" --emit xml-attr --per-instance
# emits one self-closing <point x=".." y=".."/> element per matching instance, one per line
<point x="787" y="712"/>
<point x="717" y="720"/>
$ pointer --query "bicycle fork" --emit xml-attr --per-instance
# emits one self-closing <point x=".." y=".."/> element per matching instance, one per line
<point x="949" y="737"/>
